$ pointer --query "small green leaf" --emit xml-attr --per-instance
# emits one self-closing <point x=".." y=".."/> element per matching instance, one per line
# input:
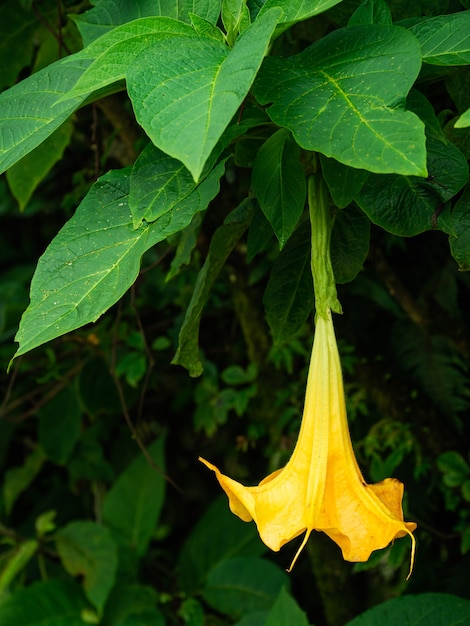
<point x="289" y="297"/>
<point x="298" y="10"/>
<point x="14" y="562"/>
<point x="87" y="549"/>
<point x="223" y="242"/>
<point x="344" y="182"/>
<point x="132" y="506"/>
<point x="50" y="603"/>
<point x="286" y="612"/>
<point x="184" y="96"/>
<point x="349" y="244"/>
<point x="242" y="585"/>
<point x="17" y="479"/>
<point x="454" y="467"/>
<point x="432" y="609"/>
<point x="457" y="224"/>
<point x="464" y="120"/>
<point x="279" y="183"/>
<point x="59" y="426"/>
<point x="445" y="40"/>
<point x="334" y="98"/>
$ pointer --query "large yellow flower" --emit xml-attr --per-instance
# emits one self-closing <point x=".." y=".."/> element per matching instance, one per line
<point x="321" y="487"/>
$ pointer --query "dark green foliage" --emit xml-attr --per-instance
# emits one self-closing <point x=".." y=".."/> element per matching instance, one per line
<point x="153" y="216"/>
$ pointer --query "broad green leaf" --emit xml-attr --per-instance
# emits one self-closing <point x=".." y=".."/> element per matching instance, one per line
<point x="289" y="298"/>
<point x="132" y="506"/>
<point x="217" y="536"/>
<point x="89" y="265"/>
<point x="371" y="12"/>
<point x="432" y="609"/>
<point x="286" y="612"/>
<point x="30" y="111"/>
<point x="242" y="585"/>
<point x="26" y="174"/>
<point x="445" y="40"/>
<point x="107" y="15"/>
<point x="113" y="53"/>
<point x="344" y="182"/>
<point x="50" y="603"/>
<point x="279" y="183"/>
<point x="18" y="479"/>
<point x="87" y="549"/>
<point x="298" y="10"/>
<point x="59" y="426"/>
<point x="334" y="98"/>
<point x="464" y="120"/>
<point x="160" y="184"/>
<point x="131" y="601"/>
<point x="349" y="245"/>
<point x="409" y="205"/>
<point x="186" y="243"/>
<point x="222" y="243"/>
<point x="184" y="96"/>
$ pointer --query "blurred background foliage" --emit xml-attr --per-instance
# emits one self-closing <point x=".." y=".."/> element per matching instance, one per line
<point x="98" y="427"/>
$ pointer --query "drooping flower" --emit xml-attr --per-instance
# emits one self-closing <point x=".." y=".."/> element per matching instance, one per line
<point x="321" y="487"/>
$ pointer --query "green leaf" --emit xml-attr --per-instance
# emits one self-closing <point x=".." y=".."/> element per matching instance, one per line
<point x="454" y="467"/>
<point x="14" y="562"/>
<point x="31" y="111"/>
<point x="128" y="602"/>
<point x="235" y="18"/>
<point x="286" y="612"/>
<point x="26" y="174"/>
<point x="344" y="182"/>
<point x="88" y="266"/>
<point x="464" y="120"/>
<point x="132" y="506"/>
<point x="18" y="479"/>
<point x="87" y="549"/>
<point x="106" y="15"/>
<point x="50" y="603"/>
<point x="279" y="183"/>
<point x="217" y="536"/>
<point x="114" y="52"/>
<point x="371" y="12"/>
<point x="298" y="10"/>
<point x="349" y="244"/>
<point x="289" y="297"/>
<point x="242" y="585"/>
<point x="409" y="205"/>
<point x="445" y="40"/>
<point x="335" y="100"/>
<point x="161" y="184"/>
<point x="59" y="426"/>
<point x="184" y="96"/>
<point x="432" y="609"/>
<point x="222" y="243"/>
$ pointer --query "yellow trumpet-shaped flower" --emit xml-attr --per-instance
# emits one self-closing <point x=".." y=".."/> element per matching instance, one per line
<point x="321" y="487"/>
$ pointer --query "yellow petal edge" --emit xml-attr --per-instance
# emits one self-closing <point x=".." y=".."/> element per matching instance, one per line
<point x="321" y="487"/>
